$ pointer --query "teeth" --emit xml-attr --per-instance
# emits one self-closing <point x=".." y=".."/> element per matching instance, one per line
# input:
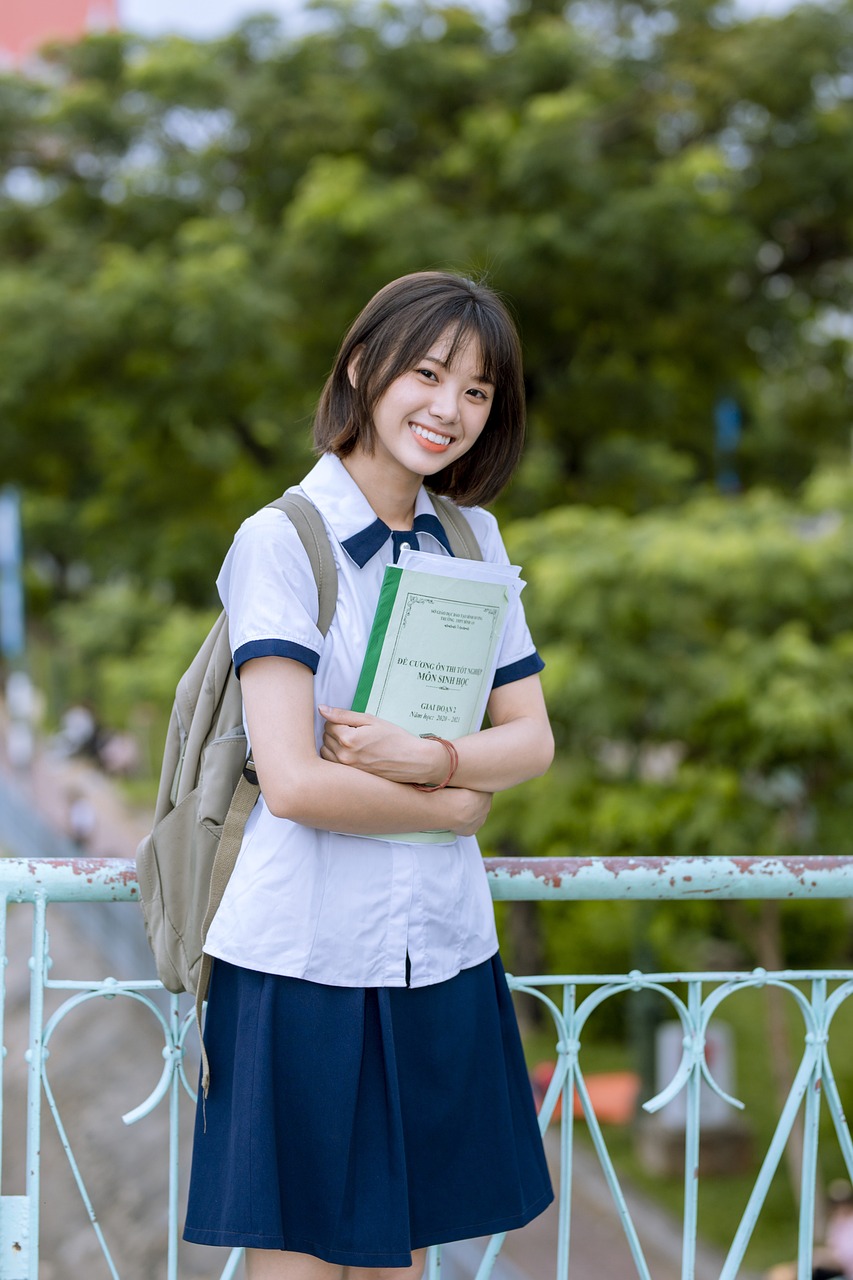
<point x="430" y="435"/>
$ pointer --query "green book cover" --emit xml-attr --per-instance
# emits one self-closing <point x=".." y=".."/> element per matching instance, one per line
<point x="430" y="658"/>
<point x="381" y="618"/>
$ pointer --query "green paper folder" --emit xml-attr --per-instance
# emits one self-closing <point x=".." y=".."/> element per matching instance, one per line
<point x="431" y="658"/>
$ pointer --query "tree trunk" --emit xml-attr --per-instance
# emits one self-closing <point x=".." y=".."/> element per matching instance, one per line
<point x="526" y="948"/>
<point x="524" y="931"/>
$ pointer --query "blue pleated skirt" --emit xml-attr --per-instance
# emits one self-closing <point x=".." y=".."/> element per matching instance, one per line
<point x="359" y="1124"/>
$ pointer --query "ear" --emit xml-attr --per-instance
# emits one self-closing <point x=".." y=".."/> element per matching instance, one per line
<point x="352" y="366"/>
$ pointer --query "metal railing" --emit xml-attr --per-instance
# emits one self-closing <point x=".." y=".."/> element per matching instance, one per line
<point x="570" y="1000"/>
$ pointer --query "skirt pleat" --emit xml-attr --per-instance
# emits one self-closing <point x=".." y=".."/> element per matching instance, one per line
<point x="358" y="1124"/>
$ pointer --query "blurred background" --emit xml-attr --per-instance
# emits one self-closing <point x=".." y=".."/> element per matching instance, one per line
<point x="193" y="205"/>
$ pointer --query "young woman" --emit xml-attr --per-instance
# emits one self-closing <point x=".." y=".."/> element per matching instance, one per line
<point x="368" y="1092"/>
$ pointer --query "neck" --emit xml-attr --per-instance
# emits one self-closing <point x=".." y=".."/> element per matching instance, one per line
<point x="392" y="494"/>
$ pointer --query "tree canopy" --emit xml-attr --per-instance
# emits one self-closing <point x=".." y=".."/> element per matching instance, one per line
<point x="663" y="192"/>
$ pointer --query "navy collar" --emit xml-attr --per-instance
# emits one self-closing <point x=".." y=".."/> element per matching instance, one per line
<point x="362" y="546"/>
<point x="352" y="519"/>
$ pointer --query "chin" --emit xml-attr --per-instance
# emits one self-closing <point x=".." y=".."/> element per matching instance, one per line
<point x="429" y="463"/>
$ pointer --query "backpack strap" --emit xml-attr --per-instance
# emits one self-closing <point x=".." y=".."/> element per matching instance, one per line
<point x="460" y="535"/>
<point x="242" y="803"/>
<point x="308" y="523"/>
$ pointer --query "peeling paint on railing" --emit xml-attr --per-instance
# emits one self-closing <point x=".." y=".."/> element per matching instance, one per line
<point x="581" y="879"/>
<point x="670" y="878"/>
<point x="69" y="879"/>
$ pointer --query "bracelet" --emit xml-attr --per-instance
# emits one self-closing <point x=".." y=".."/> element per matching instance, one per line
<point x="454" y="764"/>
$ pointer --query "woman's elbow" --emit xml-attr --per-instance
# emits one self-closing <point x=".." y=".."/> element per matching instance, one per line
<point x="287" y="796"/>
<point x="280" y="802"/>
<point x="540" y="752"/>
<point x="545" y="753"/>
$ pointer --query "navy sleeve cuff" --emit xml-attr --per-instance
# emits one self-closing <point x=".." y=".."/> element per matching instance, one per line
<point x="529" y="666"/>
<point x="275" y="649"/>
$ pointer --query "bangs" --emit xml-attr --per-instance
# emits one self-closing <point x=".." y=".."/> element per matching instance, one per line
<point x="465" y="319"/>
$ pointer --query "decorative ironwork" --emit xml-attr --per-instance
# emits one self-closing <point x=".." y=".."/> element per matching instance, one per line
<point x="694" y="998"/>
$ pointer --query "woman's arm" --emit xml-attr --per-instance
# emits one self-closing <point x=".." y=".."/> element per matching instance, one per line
<point x="518" y="745"/>
<point x="278" y="695"/>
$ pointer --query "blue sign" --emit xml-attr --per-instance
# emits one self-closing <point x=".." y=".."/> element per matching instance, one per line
<point x="11" y="584"/>
<point x="728" y="428"/>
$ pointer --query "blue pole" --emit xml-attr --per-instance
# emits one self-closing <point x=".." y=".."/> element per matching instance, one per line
<point x="728" y="428"/>
<point x="11" y="579"/>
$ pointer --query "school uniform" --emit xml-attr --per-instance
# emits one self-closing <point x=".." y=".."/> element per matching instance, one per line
<point x="368" y="1091"/>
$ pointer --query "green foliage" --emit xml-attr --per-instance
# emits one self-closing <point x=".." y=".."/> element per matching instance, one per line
<point x="165" y="650"/>
<point x="186" y="229"/>
<point x="665" y="198"/>
<point x="699" y="668"/>
<point x="123" y="651"/>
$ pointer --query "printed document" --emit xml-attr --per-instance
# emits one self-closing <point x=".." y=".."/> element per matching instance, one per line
<point x="433" y="648"/>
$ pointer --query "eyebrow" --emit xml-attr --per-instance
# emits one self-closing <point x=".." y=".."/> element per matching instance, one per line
<point x="478" y="377"/>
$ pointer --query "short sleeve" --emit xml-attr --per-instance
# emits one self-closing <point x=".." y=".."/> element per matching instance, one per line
<point x="268" y="590"/>
<point x="517" y="657"/>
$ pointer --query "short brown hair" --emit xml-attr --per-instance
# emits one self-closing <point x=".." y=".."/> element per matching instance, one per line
<point x="396" y="329"/>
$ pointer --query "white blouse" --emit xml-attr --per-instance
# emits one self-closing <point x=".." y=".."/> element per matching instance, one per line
<point x="342" y="909"/>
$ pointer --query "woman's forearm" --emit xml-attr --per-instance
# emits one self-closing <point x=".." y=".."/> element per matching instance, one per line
<point x="278" y="694"/>
<point x="518" y="746"/>
<point x="331" y="797"/>
<point x="501" y="757"/>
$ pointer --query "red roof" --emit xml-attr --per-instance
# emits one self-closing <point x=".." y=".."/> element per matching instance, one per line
<point x="27" y="24"/>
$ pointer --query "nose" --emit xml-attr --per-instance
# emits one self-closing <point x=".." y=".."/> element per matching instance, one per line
<point x="445" y="406"/>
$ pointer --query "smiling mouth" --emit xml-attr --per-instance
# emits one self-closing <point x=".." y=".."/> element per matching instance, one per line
<point x="435" y="441"/>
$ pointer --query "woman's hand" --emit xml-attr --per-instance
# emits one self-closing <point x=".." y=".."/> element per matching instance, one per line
<point x="375" y="746"/>
<point x="381" y="748"/>
<point x="469" y="809"/>
<point x="278" y="694"/>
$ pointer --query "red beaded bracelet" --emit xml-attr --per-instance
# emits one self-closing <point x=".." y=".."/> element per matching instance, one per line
<point x="454" y="764"/>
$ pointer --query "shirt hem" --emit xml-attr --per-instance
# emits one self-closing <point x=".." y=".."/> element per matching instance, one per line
<point x="302" y="975"/>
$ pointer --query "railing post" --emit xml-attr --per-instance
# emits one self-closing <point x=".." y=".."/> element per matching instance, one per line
<point x="34" y="1056"/>
<point x="14" y="1215"/>
<point x="565" y="1048"/>
<point x="695" y="1047"/>
<point x="808" y="1173"/>
<point x="174" y="1151"/>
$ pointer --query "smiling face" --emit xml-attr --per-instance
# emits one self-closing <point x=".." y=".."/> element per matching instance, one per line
<point x="433" y="413"/>
<point x="396" y="351"/>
